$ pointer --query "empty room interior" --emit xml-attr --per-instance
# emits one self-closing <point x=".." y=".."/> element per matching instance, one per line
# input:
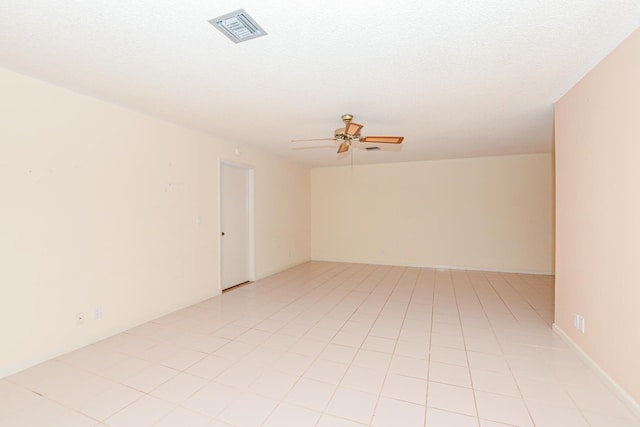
<point x="281" y="214"/>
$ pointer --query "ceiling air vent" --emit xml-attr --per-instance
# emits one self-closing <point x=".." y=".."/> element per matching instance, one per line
<point x="238" y="26"/>
<point x="372" y="148"/>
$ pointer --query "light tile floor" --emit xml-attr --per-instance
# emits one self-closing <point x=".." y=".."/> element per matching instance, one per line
<point x="330" y="344"/>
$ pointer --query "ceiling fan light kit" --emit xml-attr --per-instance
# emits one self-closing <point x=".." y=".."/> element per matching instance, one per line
<point x="350" y="133"/>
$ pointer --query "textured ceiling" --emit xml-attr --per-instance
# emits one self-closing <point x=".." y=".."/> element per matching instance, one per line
<point x="456" y="78"/>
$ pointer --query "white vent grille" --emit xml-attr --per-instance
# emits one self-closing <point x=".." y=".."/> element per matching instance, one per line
<point x="238" y="26"/>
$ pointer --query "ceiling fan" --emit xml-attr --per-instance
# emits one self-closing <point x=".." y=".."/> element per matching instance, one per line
<point x="350" y="133"/>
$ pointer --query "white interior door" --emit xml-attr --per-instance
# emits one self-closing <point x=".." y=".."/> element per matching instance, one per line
<point x="234" y="221"/>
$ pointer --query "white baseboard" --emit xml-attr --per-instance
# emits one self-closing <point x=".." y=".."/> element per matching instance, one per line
<point x="614" y="386"/>
<point x="435" y="266"/>
<point x="489" y="270"/>
<point x="279" y="269"/>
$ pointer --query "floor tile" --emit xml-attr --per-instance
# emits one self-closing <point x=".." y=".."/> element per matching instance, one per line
<point x="183" y="359"/>
<point x="248" y="410"/>
<point x="209" y="367"/>
<point x="353" y="405"/>
<point x="421" y="335"/>
<point x="72" y="419"/>
<point x="307" y="346"/>
<point x="606" y="420"/>
<point x="145" y="411"/>
<point x="125" y="369"/>
<point x="483" y="345"/>
<point x="417" y="350"/>
<point x="448" y="341"/>
<point x="235" y="350"/>
<point x="504" y="409"/>
<point x="158" y="352"/>
<point x="127" y="343"/>
<point x="311" y="394"/>
<point x="211" y="399"/>
<point x="409" y="367"/>
<point x="487" y="423"/>
<point x="216" y="423"/>
<point x="598" y="399"/>
<point x="363" y="379"/>
<point x="209" y="344"/>
<point x="545" y="415"/>
<point x="44" y="412"/>
<point x="292" y="363"/>
<point x="180" y="417"/>
<point x="544" y="390"/>
<point x="326" y="371"/>
<point x="494" y="382"/>
<point x="451" y="356"/>
<point x="179" y="388"/>
<point x="274" y="384"/>
<point x="254" y="336"/>
<point x="350" y="339"/>
<point x="451" y="398"/>
<point x="408" y="389"/>
<point x="14" y="398"/>
<point x="150" y="378"/>
<point x="269" y="325"/>
<point x="372" y="359"/>
<point x="449" y="374"/>
<point x="109" y="402"/>
<point x="287" y="415"/>
<point x="327" y="420"/>
<point x="384" y="345"/>
<point x="331" y="344"/>
<point x="280" y="341"/>
<point x="338" y="353"/>
<point x="392" y="413"/>
<point x="488" y="362"/>
<point x="230" y="332"/>
<point x="240" y="375"/>
<point x="294" y="329"/>
<point x="440" y="418"/>
<point x="92" y="358"/>
<point x="74" y="388"/>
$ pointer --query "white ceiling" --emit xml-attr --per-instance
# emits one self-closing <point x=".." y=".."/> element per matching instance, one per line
<point x="457" y="78"/>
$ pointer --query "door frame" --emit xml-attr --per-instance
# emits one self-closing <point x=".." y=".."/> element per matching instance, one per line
<point x="251" y="217"/>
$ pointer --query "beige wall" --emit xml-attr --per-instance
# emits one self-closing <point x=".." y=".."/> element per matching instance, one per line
<point x="487" y="213"/>
<point x="98" y="206"/>
<point x="598" y="213"/>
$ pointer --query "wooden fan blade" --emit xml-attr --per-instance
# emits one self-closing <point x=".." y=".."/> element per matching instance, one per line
<point x="352" y="128"/>
<point x="383" y="139"/>
<point x="315" y="139"/>
<point x="314" y="147"/>
<point x="343" y="147"/>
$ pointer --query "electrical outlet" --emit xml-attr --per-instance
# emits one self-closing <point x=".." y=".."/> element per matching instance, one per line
<point x="79" y="318"/>
<point x="97" y="312"/>
<point x="578" y="322"/>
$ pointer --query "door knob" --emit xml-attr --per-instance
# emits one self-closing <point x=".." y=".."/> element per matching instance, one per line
<point x="223" y="233"/>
